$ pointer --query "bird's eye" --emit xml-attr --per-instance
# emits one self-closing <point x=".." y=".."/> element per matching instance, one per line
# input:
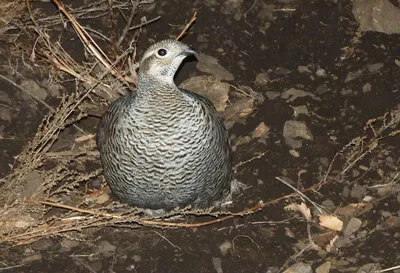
<point x="162" y="52"/>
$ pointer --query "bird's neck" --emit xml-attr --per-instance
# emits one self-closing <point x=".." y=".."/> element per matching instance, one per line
<point x="156" y="89"/>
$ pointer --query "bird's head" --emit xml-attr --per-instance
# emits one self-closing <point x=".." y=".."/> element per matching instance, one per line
<point x="162" y="60"/>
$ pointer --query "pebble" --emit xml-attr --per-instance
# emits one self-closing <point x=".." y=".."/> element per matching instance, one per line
<point x="107" y="249"/>
<point x="353" y="75"/>
<point x="324" y="268"/>
<point x="260" y="131"/>
<point x="225" y="247"/>
<point x="299" y="268"/>
<point x="217" y="263"/>
<point x="353" y="225"/>
<point x="367" y="87"/>
<point x="282" y="71"/>
<point x="262" y="79"/>
<point x="297" y="129"/>
<point x="374" y="67"/>
<point x="322" y="89"/>
<point x="321" y="73"/>
<point x="303" y="69"/>
<point x="34" y="89"/>
<point x="294" y="153"/>
<point x="209" y="64"/>
<point x="328" y="204"/>
<point x="370" y="268"/>
<point x="346" y="191"/>
<point x="358" y="192"/>
<point x="300" y="110"/>
<point x="272" y="95"/>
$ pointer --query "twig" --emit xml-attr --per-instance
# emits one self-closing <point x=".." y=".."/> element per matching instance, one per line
<point x="388" y="269"/>
<point x="145" y="23"/>
<point x="187" y="26"/>
<point x="175" y="246"/>
<point x="128" y="24"/>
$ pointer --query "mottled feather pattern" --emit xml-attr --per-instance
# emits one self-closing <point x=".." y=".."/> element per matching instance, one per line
<point x="162" y="147"/>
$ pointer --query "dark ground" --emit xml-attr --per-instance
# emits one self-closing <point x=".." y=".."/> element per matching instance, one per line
<point x="248" y="41"/>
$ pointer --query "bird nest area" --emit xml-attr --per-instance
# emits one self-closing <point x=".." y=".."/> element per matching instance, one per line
<point x="50" y="189"/>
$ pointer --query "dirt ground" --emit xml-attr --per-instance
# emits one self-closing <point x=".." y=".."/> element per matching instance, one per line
<point x="318" y="108"/>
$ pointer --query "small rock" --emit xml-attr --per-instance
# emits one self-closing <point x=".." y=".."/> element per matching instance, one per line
<point x="324" y="268"/>
<point x="370" y="268"/>
<point x="353" y="75"/>
<point x="299" y="268"/>
<point x="303" y="69"/>
<point x="374" y="67"/>
<point x="321" y="73"/>
<point x="211" y="88"/>
<point x="296" y="129"/>
<point x="374" y="15"/>
<point x="225" y="247"/>
<point x="136" y="258"/>
<point x="292" y="94"/>
<point x="107" y="249"/>
<point x="328" y="204"/>
<point x="262" y="79"/>
<point x="209" y="64"/>
<point x="367" y="87"/>
<point x="393" y="222"/>
<point x="261" y="130"/>
<point x="272" y="95"/>
<point x="346" y="192"/>
<point x="358" y="192"/>
<point x="353" y="225"/>
<point x="300" y="110"/>
<point x="355" y="173"/>
<point x="386" y="214"/>
<point x="34" y="89"/>
<point x="217" y="263"/>
<point x="322" y="89"/>
<point x="282" y="71"/>
<point x="294" y="153"/>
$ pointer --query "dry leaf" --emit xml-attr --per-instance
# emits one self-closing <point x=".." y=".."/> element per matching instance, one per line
<point x="331" y="222"/>
<point x="302" y="208"/>
<point x="331" y="242"/>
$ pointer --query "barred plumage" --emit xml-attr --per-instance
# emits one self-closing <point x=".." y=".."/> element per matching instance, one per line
<point x="163" y="147"/>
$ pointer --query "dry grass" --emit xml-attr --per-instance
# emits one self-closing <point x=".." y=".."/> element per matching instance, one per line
<point x="24" y="214"/>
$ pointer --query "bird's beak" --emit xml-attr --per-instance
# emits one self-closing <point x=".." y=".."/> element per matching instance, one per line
<point x="189" y="51"/>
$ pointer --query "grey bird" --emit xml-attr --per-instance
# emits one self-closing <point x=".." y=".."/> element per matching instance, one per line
<point x="162" y="147"/>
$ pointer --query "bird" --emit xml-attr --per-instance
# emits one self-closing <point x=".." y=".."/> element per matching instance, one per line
<point x="163" y="147"/>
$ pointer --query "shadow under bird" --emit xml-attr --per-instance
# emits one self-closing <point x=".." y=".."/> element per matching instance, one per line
<point x="163" y="147"/>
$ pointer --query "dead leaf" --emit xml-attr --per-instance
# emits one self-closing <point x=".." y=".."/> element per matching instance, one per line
<point x="211" y="88"/>
<point x="260" y="131"/>
<point x="331" y="222"/>
<point x="302" y="208"/>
